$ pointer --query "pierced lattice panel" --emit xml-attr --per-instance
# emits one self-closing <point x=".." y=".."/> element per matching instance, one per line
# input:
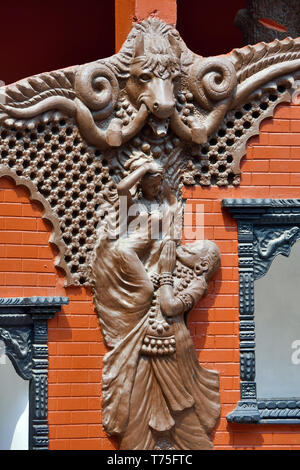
<point x="67" y="173"/>
<point x="213" y="163"/>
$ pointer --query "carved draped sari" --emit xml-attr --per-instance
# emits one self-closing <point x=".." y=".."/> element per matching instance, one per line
<point x="148" y="402"/>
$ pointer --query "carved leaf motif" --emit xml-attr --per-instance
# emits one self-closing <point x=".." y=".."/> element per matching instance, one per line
<point x="37" y="83"/>
<point x="14" y="93"/>
<point x="26" y="89"/>
<point x="252" y="59"/>
<point x="18" y="348"/>
<point x="34" y="89"/>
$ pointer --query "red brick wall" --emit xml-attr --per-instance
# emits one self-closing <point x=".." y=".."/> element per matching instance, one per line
<point x="270" y="169"/>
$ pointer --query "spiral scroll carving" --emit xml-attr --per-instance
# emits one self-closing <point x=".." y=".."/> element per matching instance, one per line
<point x="212" y="80"/>
<point x="98" y="88"/>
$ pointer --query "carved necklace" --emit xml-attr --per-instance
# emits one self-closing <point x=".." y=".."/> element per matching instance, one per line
<point x="157" y="341"/>
<point x="184" y="275"/>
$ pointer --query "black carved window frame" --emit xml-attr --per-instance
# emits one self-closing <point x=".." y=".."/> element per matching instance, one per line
<point x="24" y="330"/>
<point x="252" y="216"/>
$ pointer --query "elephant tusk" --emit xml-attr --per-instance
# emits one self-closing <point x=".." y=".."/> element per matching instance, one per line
<point x="216" y="116"/>
<point x="136" y="124"/>
<point x="117" y="135"/>
<point x="181" y="130"/>
<point x="198" y="131"/>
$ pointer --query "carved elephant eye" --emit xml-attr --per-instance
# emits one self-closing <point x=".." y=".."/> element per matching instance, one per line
<point x="145" y="77"/>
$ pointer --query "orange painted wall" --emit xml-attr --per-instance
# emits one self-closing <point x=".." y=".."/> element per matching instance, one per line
<point x="270" y="169"/>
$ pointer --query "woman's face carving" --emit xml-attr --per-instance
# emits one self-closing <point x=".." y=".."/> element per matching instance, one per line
<point x="151" y="186"/>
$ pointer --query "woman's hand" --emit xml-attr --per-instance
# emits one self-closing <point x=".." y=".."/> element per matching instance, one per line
<point x="167" y="258"/>
<point x="153" y="167"/>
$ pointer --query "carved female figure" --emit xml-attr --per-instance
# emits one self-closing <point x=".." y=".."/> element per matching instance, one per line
<point x="155" y="394"/>
<point x="153" y="213"/>
<point x="148" y="215"/>
<point x="151" y="198"/>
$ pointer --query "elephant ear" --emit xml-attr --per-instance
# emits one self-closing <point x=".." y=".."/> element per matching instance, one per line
<point x="139" y="49"/>
<point x="175" y="45"/>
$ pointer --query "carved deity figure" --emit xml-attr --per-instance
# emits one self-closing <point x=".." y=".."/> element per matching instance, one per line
<point x="152" y="200"/>
<point x="148" y="214"/>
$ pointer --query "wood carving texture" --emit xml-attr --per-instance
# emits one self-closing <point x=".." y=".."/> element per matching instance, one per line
<point x="69" y="133"/>
<point x="140" y="125"/>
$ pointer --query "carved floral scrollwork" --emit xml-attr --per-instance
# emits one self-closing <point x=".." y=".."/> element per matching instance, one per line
<point x="91" y="92"/>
